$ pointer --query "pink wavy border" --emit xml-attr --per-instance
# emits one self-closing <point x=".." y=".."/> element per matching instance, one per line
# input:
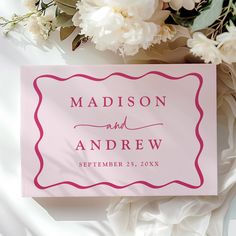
<point x="197" y="104"/>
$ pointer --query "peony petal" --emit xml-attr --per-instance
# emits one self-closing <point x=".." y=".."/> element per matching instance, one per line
<point x="143" y="9"/>
<point x="119" y="25"/>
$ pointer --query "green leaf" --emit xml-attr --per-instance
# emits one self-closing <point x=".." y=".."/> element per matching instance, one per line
<point x="183" y="20"/>
<point x="64" y="20"/>
<point x="57" y="12"/>
<point x="44" y="6"/>
<point x="65" y="32"/>
<point x="37" y="3"/>
<point x="67" y="6"/>
<point x="208" y="16"/>
<point x="77" y="41"/>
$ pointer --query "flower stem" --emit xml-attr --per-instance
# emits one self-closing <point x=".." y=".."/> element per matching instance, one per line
<point x="218" y="27"/>
<point x="18" y="19"/>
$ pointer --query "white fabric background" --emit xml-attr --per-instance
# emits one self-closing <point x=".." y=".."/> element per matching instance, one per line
<point x="126" y="216"/>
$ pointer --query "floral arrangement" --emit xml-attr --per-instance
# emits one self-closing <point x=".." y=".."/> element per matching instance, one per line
<point x="125" y="27"/>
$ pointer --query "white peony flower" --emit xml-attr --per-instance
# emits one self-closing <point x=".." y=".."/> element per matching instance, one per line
<point x="177" y="4"/>
<point x="227" y="44"/>
<point x="204" y="48"/>
<point x="30" y="4"/>
<point x="40" y="26"/>
<point x="118" y="25"/>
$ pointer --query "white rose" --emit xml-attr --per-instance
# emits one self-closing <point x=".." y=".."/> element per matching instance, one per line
<point x="40" y="26"/>
<point x="118" y="25"/>
<point x="204" y="48"/>
<point x="33" y="26"/>
<point x="30" y="4"/>
<point x="227" y="44"/>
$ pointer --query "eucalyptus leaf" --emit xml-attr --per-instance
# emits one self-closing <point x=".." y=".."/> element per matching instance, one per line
<point x="37" y="3"/>
<point x="43" y="6"/>
<point x="64" y="20"/>
<point x="65" y="32"/>
<point x="77" y="41"/>
<point x="183" y="20"/>
<point x="67" y="6"/>
<point x="208" y="16"/>
<point x="57" y="12"/>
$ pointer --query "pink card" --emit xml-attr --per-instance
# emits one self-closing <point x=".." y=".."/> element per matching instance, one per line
<point x="119" y="130"/>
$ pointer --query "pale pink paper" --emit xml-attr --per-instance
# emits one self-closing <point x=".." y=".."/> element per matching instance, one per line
<point x="188" y="161"/>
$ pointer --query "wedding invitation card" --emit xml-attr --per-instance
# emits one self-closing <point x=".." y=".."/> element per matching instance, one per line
<point x="118" y="130"/>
